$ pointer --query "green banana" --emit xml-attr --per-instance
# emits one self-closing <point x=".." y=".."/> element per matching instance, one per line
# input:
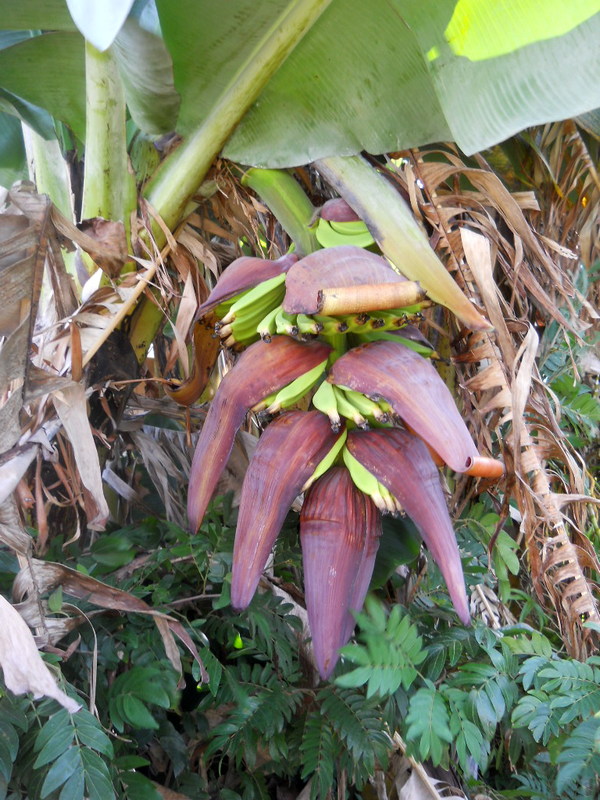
<point x="222" y="309"/>
<point x="286" y="323"/>
<point x="388" y="320"/>
<point x="365" y="406"/>
<point x="242" y="330"/>
<point x="308" y="325"/>
<point x="358" y="323"/>
<point x="421" y="349"/>
<point x="368" y="483"/>
<point x="264" y="296"/>
<point x="327" y="461"/>
<point x="262" y="404"/>
<point x="332" y="234"/>
<point x="295" y="391"/>
<point x="267" y="327"/>
<point x="348" y="410"/>
<point x="324" y="400"/>
<point x="331" y="325"/>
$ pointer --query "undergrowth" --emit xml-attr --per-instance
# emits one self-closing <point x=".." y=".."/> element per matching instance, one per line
<point x="502" y="708"/>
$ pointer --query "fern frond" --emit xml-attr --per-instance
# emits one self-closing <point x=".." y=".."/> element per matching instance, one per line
<point x="359" y="726"/>
<point x="429" y="725"/>
<point x="391" y="651"/>
<point x="577" y="686"/>
<point x="258" y="718"/>
<point x="580" y="757"/>
<point x="534" y="711"/>
<point x="470" y="744"/>
<point x="319" y="750"/>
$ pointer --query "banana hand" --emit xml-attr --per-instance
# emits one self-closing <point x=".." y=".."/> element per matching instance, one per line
<point x="286" y="323"/>
<point x="348" y="410"/>
<point x="368" y="483"/>
<point x="327" y="461"/>
<point x="267" y="327"/>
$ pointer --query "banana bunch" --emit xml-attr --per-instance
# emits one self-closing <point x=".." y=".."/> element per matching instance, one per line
<point x="242" y="315"/>
<point x="335" y="325"/>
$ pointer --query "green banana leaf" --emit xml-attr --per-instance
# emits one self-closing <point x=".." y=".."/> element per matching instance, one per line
<point x="377" y="76"/>
<point x="48" y="71"/>
<point x="99" y="20"/>
<point x="381" y="76"/>
<point x="12" y="163"/>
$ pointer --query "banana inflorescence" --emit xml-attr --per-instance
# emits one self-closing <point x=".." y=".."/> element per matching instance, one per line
<point x="381" y="419"/>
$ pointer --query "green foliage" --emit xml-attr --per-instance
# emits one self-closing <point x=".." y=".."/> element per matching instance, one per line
<point x="429" y="724"/>
<point x="133" y="691"/>
<point x="391" y="651"/>
<point x="473" y="697"/>
<point x="580" y="755"/>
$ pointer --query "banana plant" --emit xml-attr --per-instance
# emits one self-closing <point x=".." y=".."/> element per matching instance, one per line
<point x="224" y="82"/>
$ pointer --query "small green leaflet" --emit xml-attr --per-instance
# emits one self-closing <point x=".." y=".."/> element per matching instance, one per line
<point x="428" y="725"/>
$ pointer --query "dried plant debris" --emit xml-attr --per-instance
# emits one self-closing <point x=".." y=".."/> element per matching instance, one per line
<point x="518" y="256"/>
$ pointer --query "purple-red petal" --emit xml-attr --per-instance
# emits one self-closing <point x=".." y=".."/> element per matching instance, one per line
<point x="402" y="463"/>
<point x="244" y="273"/>
<point x="339" y="531"/>
<point x="286" y="456"/>
<point x="338" y="210"/>
<point x="333" y="267"/>
<point x="415" y="391"/>
<point x="261" y="370"/>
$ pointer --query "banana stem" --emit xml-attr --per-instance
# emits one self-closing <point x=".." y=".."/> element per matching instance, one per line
<point x="339" y="345"/>
<point x="356" y="299"/>
<point x="145" y="324"/>
<point x="395" y="230"/>
<point x="178" y="177"/>
<point x="484" y="467"/>
<point x="288" y="202"/>
<point x="109" y="187"/>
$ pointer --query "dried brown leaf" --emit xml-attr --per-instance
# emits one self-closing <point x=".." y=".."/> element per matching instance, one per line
<point x="23" y="668"/>
<point x="71" y="407"/>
